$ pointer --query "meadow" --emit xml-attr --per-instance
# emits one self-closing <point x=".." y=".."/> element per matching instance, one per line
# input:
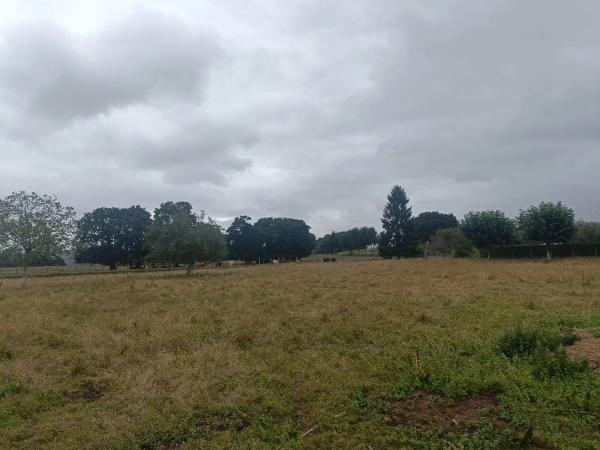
<point x="424" y="353"/>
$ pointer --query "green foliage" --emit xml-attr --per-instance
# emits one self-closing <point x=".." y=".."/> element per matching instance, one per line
<point x="568" y="338"/>
<point x="427" y="224"/>
<point x="543" y="349"/>
<point x="548" y="223"/>
<point x="346" y="241"/>
<point x="451" y="241"/>
<point x="556" y="363"/>
<point x="33" y="224"/>
<point x="518" y="342"/>
<point x="285" y="238"/>
<point x="113" y="235"/>
<point x="587" y="232"/>
<point x="244" y="240"/>
<point x="396" y="238"/>
<point x="179" y="236"/>
<point x="269" y="238"/>
<point x="11" y="258"/>
<point x="486" y="228"/>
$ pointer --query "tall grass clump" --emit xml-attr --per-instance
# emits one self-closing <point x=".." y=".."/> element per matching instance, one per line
<point x="543" y="349"/>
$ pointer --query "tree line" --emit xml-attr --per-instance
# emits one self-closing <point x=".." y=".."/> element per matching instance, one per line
<point x="546" y="223"/>
<point x="36" y="229"/>
<point x="350" y="240"/>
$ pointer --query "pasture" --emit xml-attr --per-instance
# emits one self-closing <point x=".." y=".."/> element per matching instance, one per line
<point x="371" y="355"/>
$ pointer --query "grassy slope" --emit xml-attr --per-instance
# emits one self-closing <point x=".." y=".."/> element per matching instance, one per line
<point x="253" y="358"/>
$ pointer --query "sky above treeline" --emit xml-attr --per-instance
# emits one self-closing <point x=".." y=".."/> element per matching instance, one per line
<point x="302" y="108"/>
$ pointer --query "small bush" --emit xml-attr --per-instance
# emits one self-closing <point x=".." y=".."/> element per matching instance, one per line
<point x="518" y="341"/>
<point x="556" y="364"/>
<point x="568" y="338"/>
<point x="544" y="349"/>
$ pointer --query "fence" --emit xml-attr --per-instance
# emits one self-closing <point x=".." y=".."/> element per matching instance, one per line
<point x="542" y="251"/>
<point x="71" y="268"/>
<point x="360" y="252"/>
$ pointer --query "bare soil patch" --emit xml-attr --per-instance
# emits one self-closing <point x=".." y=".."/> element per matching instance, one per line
<point x="424" y="410"/>
<point x="587" y="347"/>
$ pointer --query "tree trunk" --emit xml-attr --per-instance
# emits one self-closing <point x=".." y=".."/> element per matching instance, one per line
<point x="25" y="277"/>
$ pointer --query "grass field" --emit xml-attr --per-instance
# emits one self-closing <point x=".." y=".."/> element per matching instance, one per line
<point x="374" y="354"/>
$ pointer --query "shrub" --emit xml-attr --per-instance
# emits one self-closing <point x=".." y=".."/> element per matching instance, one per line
<point x="556" y="364"/>
<point x="568" y="338"/>
<point x="544" y="349"/>
<point x="518" y="342"/>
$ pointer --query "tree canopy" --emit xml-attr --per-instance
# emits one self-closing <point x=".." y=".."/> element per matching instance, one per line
<point x="548" y="222"/>
<point x="245" y="241"/>
<point x="113" y="236"/>
<point x="486" y="228"/>
<point x="396" y="238"/>
<point x="35" y="226"/>
<point x="428" y="223"/>
<point x="352" y="239"/>
<point x="285" y="238"/>
<point x="587" y="232"/>
<point x="179" y="236"/>
<point x="451" y="241"/>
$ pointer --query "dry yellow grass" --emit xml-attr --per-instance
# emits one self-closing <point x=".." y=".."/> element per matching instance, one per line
<point x="254" y="357"/>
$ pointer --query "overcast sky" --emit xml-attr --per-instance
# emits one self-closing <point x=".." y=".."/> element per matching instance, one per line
<point x="302" y="108"/>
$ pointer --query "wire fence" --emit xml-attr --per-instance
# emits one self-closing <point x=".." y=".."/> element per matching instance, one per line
<point x="74" y="269"/>
<point x="71" y="268"/>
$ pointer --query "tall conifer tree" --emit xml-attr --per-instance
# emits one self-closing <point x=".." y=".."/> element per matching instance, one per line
<point x="395" y="239"/>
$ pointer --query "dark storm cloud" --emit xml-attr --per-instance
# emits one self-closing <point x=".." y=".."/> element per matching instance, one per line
<point x="307" y="108"/>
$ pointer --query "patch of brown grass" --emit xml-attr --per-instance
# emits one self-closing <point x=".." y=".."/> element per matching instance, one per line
<point x="115" y="361"/>
<point x="587" y="348"/>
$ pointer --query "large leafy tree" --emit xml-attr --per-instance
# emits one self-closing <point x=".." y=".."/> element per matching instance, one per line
<point x="178" y="236"/>
<point x="113" y="236"/>
<point x="35" y="226"/>
<point x="428" y="223"/>
<point x="486" y="228"/>
<point x="353" y="239"/>
<point x="549" y="223"/>
<point x="285" y="238"/>
<point x="396" y="239"/>
<point x="245" y="241"/>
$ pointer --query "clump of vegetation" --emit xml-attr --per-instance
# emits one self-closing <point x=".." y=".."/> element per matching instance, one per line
<point x="544" y="349"/>
<point x="5" y="352"/>
<point x="556" y="364"/>
<point x="9" y="386"/>
<point x="518" y="341"/>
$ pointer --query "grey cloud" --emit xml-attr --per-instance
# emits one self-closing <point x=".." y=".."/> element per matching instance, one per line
<point x="52" y="74"/>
